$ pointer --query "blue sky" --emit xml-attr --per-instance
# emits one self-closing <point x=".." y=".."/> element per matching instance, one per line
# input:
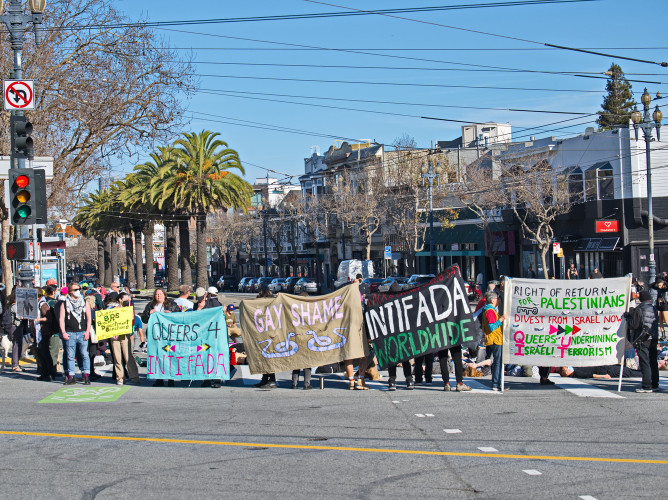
<point x="240" y="66"/>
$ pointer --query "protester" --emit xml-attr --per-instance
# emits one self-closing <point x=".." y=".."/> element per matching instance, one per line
<point x="531" y="274"/>
<point x="46" y="361"/>
<point x="572" y="273"/>
<point x="597" y="372"/>
<point x="268" y="380"/>
<point x="159" y="303"/>
<point x="121" y="347"/>
<point x="75" y="325"/>
<point x="492" y="328"/>
<point x="595" y="274"/>
<point x="183" y="301"/>
<point x="4" y="334"/>
<point x="456" y="353"/>
<point x="233" y="330"/>
<point x="15" y="329"/>
<point x="423" y="367"/>
<point x="647" y="348"/>
<point x="360" y="385"/>
<point x="661" y="288"/>
<point x="392" y="376"/>
<point x="212" y="298"/>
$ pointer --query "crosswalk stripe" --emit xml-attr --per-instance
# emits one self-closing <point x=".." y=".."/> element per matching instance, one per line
<point x="583" y="389"/>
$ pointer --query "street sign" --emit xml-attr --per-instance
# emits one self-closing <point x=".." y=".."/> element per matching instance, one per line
<point x="19" y="94"/>
<point x="556" y="248"/>
<point x="388" y="252"/>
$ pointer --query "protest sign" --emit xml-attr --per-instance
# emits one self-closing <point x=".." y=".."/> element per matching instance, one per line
<point x="26" y="303"/>
<point x="565" y="322"/>
<point x="190" y="345"/>
<point x="291" y="332"/>
<point x="112" y="322"/>
<point x="427" y="319"/>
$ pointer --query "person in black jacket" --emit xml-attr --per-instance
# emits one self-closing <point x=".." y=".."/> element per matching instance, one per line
<point x="661" y="288"/>
<point x="159" y="303"/>
<point x="647" y="349"/>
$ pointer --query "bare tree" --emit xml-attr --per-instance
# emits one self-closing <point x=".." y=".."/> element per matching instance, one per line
<point x="107" y="88"/>
<point x="479" y="192"/>
<point x="537" y="196"/>
<point x="408" y="196"/>
<point x="359" y="202"/>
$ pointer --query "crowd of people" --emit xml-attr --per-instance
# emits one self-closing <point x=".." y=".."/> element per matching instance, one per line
<point x="67" y="318"/>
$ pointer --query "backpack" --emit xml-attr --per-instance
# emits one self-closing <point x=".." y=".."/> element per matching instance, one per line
<point x="52" y="323"/>
<point x="637" y="331"/>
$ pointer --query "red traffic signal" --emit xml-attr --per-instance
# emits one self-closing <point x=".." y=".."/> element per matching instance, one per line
<point x="18" y="250"/>
<point x="22" y="181"/>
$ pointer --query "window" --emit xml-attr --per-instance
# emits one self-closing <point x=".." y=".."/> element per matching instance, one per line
<point x="575" y="184"/>
<point x="606" y="186"/>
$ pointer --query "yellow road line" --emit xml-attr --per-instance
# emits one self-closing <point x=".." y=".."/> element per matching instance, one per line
<point x="334" y="448"/>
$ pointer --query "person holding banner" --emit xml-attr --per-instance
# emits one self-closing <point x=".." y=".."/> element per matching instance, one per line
<point x="159" y="303"/>
<point x="492" y="327"/>
<point x="121" y="349"/>
<point x="647" y="347"/>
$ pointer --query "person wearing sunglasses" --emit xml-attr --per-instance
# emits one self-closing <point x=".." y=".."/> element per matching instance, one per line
<point x="75" y="324"/>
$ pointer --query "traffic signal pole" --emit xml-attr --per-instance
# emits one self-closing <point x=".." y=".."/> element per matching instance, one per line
<point x="17" y="21"/>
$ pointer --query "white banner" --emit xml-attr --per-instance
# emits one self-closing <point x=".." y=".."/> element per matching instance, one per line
<point x="565" y="322"/>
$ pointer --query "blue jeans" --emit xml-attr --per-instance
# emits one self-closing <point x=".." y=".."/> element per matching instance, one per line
<point x="76" y="343"/>
<point x="495" y="352"/>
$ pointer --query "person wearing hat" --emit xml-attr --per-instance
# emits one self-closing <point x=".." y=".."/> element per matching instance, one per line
<point x="212" y="297"/>
<point x="183" y="301"/>
<point x="647" y="349"/>
<point x="230" y="318"/>
<point x="51" y="282"/>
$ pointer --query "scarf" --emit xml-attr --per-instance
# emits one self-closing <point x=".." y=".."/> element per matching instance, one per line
<point x="75" y="307"/>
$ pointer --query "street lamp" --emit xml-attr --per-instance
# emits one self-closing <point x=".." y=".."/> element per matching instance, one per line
<point x="431" y="178"/>
<point x="645" y="123"/>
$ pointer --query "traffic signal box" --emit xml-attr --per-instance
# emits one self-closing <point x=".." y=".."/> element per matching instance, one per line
<point x="22" y="143"/>
<point x="27" y="188"/>
<point x="18" y="250"/>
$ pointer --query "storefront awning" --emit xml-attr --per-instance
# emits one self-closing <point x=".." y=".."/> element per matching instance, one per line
<point x="597" y="244"/>
<point x="452" y="253"/>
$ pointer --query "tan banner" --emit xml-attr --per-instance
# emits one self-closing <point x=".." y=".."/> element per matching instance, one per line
<point x="291" y="332"/>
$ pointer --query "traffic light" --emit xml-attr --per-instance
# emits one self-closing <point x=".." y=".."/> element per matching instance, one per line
<point x="22" y="196"/>
<point x="18" y="250"/>
<point x="22" y="144"/>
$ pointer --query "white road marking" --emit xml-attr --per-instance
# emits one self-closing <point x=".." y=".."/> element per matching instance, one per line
<point x="452" y="431"/>
<point x="487" y="449"/>
<point x="429" y="414"/>
<point x="587" y="497"/>
<point x="532" y="472"/>
<point x="396" y="402"/>
<point x="420" y="415"/>
<point x="583" y="389"/>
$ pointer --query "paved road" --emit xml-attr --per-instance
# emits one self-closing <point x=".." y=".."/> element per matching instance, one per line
<point x="241" y="442"/>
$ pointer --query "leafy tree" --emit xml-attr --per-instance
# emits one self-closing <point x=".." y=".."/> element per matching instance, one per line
<point x="618" y="102"/>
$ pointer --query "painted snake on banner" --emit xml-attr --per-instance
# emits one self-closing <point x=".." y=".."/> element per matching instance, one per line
<point x="325" y="343"/>
<point x="283" y="349"/>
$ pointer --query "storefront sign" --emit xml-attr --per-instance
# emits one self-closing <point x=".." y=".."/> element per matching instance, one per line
<point x="607" y="226"/>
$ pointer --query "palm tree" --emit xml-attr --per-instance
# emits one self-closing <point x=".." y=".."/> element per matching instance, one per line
<point x="93" y="220"/>
<point x="199" y="181"/>
<point x="140" y="197"/>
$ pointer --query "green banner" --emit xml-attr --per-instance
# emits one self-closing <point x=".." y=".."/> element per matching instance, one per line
<point x="190" y="345"/>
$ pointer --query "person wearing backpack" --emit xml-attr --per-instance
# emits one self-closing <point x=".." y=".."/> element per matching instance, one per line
<point x="644" y="335"/>
<point x="49" y="345"/>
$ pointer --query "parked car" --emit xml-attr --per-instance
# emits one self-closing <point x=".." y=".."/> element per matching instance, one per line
<point x="277" y="285"/>
<point x="250" y="285"/>
<point x="290" y="284"/>
<point x="416" y="280"/>
<point x="241" y="287"/>
<point x="262" y="282"/>
<point x="371" y="284"/>
<point x="387" y="284"/>
<point x="227" y="283"/>
<point x="308" y="285"/>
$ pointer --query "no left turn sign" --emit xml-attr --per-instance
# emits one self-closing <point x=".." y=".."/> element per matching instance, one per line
<point x="19" y="94"/>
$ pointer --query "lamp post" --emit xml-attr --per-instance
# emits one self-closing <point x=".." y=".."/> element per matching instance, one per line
<point x="645" y="122"/>
<point x="431" y="177"/>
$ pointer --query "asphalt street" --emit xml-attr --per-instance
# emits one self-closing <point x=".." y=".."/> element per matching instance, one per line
<point x="238" y="441"/>
<point x="579" y="439"/>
